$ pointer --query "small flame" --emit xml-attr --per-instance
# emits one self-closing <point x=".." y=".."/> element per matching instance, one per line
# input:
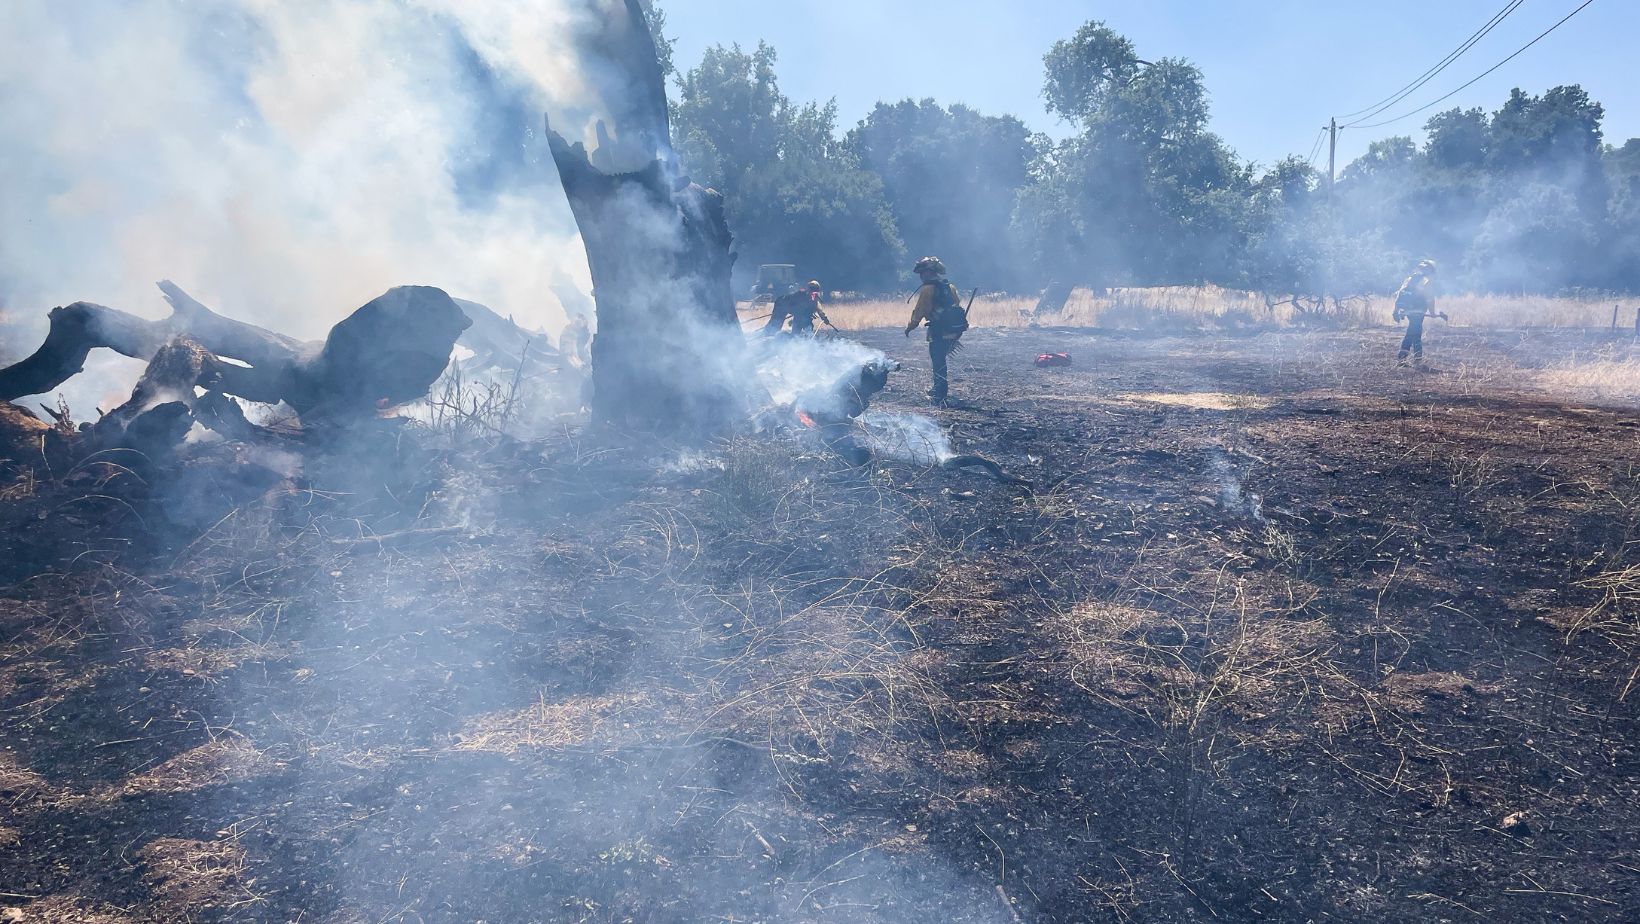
<point x="805" y="419"/>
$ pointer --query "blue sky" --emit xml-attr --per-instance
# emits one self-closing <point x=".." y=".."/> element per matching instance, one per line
<point x="1276" y="69"/>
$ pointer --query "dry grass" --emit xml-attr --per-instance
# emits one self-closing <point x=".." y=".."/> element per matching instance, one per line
<point x="1533" y="310"/>
<point x="1204" y="685"/>
<point x="23" y="487"/>
<point x="1601" y="377"/>
<point x="1190" y="307"/>
<point x="187" y="875"/>
<point x="602" y="723"/>
<point x="62" y="909"/>
<point x="1617" y="615"/>
<point x="1202" y="400"/>
<point x="214" y="763"/>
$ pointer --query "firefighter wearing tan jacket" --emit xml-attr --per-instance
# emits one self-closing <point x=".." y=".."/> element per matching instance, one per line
<point x="1414" y="301"/>
<point x="940" y="304"/>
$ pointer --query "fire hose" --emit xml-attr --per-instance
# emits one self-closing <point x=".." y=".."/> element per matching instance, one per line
<point x="991" y="468"/>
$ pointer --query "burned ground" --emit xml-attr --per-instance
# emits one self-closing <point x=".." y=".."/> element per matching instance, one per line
<point x="1284" y="633"/>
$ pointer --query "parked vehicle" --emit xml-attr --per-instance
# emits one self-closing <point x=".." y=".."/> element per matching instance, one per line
<point x="773" y="281"/>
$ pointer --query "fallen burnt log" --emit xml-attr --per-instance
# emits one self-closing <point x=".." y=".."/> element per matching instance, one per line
<point x="388" y="352"/>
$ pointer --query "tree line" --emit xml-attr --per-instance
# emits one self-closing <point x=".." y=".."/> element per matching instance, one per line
<point x="1526" y="198"/>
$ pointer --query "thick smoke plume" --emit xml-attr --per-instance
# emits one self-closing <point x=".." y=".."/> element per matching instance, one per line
<point x="790" y="365"/>
<point x="285" y="162"/>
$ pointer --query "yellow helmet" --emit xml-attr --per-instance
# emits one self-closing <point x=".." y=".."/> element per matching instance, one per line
<point x="814" y="285"/>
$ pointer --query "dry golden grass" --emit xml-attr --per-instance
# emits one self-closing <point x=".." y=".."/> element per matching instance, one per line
<point x="1203" y="306"/>
<point x="1597" y="377"/>
<point x="600" y="722"/>
<point x="214" y="763"/>
<point x="1533" y="310"/>
<point x="63" y="908"/>
<point x="1202" y="400"/>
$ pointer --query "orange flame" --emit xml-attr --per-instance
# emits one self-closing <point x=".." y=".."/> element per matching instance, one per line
<point x="806" y="420"/>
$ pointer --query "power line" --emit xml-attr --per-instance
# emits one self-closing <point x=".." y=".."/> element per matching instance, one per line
<point x="1440" y="65"/>
<point x="1315" y="149"/>
<point x="1483" y="73"/>
<point x="1496" y="20"/>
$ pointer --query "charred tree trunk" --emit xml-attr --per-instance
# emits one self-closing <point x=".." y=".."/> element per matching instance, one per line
<point x="669" y="352"/>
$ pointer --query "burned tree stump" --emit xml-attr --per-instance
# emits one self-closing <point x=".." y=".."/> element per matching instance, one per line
<point x="669" y="353"/>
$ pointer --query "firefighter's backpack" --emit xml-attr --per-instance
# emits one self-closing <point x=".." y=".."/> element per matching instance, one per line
<point x="1411" y="299"/>
<point x="949" y="319"/>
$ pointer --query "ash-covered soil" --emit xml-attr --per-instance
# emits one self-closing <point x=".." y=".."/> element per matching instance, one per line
<point x="1285" y="633"/>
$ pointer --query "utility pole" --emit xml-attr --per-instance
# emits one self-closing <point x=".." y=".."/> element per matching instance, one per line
<point x="1332" y="158"/>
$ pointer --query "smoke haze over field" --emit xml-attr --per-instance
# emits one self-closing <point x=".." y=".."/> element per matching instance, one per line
<point x="285" y="163"/>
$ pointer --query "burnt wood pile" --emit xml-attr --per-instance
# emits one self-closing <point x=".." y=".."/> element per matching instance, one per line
<point x="388" y="352"/>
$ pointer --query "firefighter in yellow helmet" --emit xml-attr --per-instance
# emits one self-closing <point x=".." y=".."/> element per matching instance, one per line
<point x="1414" y="301"/>
<point x="940" y="305"/>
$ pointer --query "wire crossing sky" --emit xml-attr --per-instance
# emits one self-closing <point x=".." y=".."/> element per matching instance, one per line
<point x="1513" y="55"/>
<point x="1440" y="66"/>
<point x="1277" y="69"/>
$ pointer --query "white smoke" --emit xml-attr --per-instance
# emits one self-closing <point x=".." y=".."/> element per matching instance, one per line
<point x="907" y="437"/>
<point x="1232" y="496"/>
<point x="285" y="162"/>
<point x="790" y="366"/>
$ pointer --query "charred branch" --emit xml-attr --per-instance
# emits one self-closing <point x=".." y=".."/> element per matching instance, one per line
<point x="75" y="331"/>
<point x="501" y="343"/>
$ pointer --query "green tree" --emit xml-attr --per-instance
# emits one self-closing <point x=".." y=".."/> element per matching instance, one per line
<point x="952" y="177"/>
<point x="1458" y="139"/>
<point x="1536" y="241"/>
<point x="1621" y="245"/>
<point x="1145" y="193"/>
<point x="1082" y="70"/>
<point x="794" y="192"/>
<point x="655" y="18"/>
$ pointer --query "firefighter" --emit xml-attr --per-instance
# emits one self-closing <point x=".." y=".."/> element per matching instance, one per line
<point x="1414" y="301"/>
<point x="779" y="311"/>
<point x="939" y="304"/>
<point x="803" y="310"/>
<point x="801" y="306"/>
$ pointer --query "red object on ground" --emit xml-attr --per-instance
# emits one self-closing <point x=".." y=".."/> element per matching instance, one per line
<point x="1047" y="360"/>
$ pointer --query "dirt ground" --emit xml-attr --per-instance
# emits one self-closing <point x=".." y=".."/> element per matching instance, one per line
<point x="1284" y="633"/>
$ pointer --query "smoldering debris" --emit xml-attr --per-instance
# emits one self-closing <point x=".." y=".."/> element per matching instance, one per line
<point x="789" y="366"/>
<point x="1232" y="495"/>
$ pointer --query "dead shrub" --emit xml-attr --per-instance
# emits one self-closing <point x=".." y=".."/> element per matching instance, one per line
<point x="756" y="474"/>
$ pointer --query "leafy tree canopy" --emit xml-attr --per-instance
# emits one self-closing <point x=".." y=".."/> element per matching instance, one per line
<point x="1524" y="198"/>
